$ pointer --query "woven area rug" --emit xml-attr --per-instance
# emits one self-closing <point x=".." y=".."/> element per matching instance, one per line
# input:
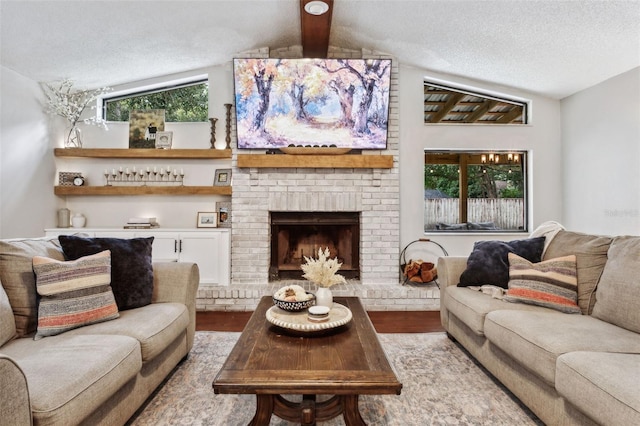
<point x="442" y="385"/>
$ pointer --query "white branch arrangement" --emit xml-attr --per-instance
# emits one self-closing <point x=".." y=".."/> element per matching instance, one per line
<point x="62" y="100"/>
<point x="322" y="270"/>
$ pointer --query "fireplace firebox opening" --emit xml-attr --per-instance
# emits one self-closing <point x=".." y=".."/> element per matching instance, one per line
<point x="295" y="235"/>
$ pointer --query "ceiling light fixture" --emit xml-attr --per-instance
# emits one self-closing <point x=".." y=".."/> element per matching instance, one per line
<point x="495" y="158"/>
<point x="316" y="7"/>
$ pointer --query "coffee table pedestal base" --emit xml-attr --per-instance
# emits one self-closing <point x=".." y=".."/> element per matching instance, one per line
<point x="307" y="412"/>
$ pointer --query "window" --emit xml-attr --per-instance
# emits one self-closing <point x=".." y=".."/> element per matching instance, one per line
<point x="443" y="104"/>
<point x="491" y="184"/>
<point x="186" y="102"/>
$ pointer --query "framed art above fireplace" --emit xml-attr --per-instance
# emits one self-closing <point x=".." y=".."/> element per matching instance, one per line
<point x="342" y="103"/>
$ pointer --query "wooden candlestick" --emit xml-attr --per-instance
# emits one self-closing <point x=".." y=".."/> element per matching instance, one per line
<point x="213" y="132"/>
<point x="228" y="138"/>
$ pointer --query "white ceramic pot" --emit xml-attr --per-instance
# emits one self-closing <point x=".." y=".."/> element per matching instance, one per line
<point x="78" y="220"/>
<point x="324" y="297"/>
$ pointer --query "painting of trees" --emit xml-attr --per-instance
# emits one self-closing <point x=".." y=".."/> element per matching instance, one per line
<point x="312" y="102"/>
<point x="259" y="75"/>
<point x="369" y="74"/>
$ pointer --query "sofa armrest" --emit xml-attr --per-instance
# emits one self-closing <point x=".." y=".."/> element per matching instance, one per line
<point x="178" y="282"/>
<point x="449" y="270"/>
<point x="15" y="405"/>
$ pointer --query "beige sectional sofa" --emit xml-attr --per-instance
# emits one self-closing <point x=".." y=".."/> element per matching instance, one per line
<point x="94" y="374"/>
<point x="567" y="368"/>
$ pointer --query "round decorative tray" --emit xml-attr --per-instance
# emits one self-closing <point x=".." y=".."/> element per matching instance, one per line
<point x="313" y="150"/>
<point x="299" y="321"/>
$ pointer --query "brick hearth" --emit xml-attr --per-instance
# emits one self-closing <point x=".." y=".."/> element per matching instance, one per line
<point x="375" y="297"/>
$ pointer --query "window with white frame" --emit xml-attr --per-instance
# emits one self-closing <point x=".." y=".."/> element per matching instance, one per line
<point x="475" y="191"/>
<point x="444" y="104"/>
<point x="182" y="102"/>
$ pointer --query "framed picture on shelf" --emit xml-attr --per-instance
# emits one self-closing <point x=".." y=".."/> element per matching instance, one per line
<point x="223" y="177"/>
<point x="207" y="220"/>
<point x="144" y="126"/>
<point x="163" y="140"/>
<point x="224" y="214"/>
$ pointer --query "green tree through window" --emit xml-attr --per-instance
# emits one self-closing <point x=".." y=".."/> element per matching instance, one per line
<point x="185" y="103"/>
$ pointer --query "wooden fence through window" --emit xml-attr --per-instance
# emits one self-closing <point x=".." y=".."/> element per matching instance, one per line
<point x="505" y="213"/>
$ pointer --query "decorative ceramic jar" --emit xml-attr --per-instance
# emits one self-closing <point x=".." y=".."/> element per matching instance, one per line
<point x="78" y="220"/>
<point x="324" y="297"/>
<point x="63" y="218"/>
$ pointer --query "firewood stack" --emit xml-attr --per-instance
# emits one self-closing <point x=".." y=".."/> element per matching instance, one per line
<point x="419" y="271"/>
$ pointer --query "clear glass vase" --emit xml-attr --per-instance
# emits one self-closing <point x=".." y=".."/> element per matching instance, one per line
<point x="73" y="137"/>
<point x="324" y="297"/>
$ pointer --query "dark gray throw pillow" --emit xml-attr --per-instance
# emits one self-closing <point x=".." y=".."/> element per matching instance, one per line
<point x="131" y="265"/>
<point x="488" y="263"/>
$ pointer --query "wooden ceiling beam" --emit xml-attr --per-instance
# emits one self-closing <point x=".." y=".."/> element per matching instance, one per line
<point x="454" y="98"/>
<point x="440" y="158"/>
<point x="480" y="111"/>
<point x="315" y="31"/>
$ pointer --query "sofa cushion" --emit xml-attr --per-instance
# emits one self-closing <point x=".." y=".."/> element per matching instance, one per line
<point x="131" y="265"/>
<point x="69" y="377"/>
<point x="488" y="262"/>
<point x="536" y="339"/>
<point x="18" y="280"/>
<point x="472" y="306"/>
<point x="602" y="385"/>
<point x="591" y="256"/>
<point x="7" y="322"/>
<point x="73" y="293"/>
<point x="154" y="326"/>
<point x="618" y="293"/>
<point x="551" y="283"/>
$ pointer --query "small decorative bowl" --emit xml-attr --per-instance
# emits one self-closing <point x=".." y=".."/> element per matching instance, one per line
<point x="294" y="306"/>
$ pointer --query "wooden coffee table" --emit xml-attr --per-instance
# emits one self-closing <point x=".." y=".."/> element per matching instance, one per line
<point x="345" y="362"/>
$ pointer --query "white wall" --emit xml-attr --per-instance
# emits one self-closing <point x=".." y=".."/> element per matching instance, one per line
<point x="541" y="138"/>
<point x="27" y="203"/>
<point x="601" y="143"/>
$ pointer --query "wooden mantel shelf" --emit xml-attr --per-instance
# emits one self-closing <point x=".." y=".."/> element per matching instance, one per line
<point x="142" y="190"/>
<point x="142" y="153"/>
<point x="346" y="161"/>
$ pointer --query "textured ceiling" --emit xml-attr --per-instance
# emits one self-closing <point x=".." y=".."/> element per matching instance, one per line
<point x="550" y="47"/>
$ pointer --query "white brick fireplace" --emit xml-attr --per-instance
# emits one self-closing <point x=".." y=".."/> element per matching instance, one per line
<point x="373" y="192"/>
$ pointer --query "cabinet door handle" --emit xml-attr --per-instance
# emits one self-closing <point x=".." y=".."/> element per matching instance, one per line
<point x="180" y="246"/>
<point x="175" y="246"/>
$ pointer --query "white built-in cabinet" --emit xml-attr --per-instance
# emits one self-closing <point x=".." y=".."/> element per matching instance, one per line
<point x="209" y="248"/>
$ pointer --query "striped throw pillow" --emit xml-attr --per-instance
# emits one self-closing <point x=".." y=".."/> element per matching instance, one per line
<point x="552" y="283"/>
<point x="74" y="293"/>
